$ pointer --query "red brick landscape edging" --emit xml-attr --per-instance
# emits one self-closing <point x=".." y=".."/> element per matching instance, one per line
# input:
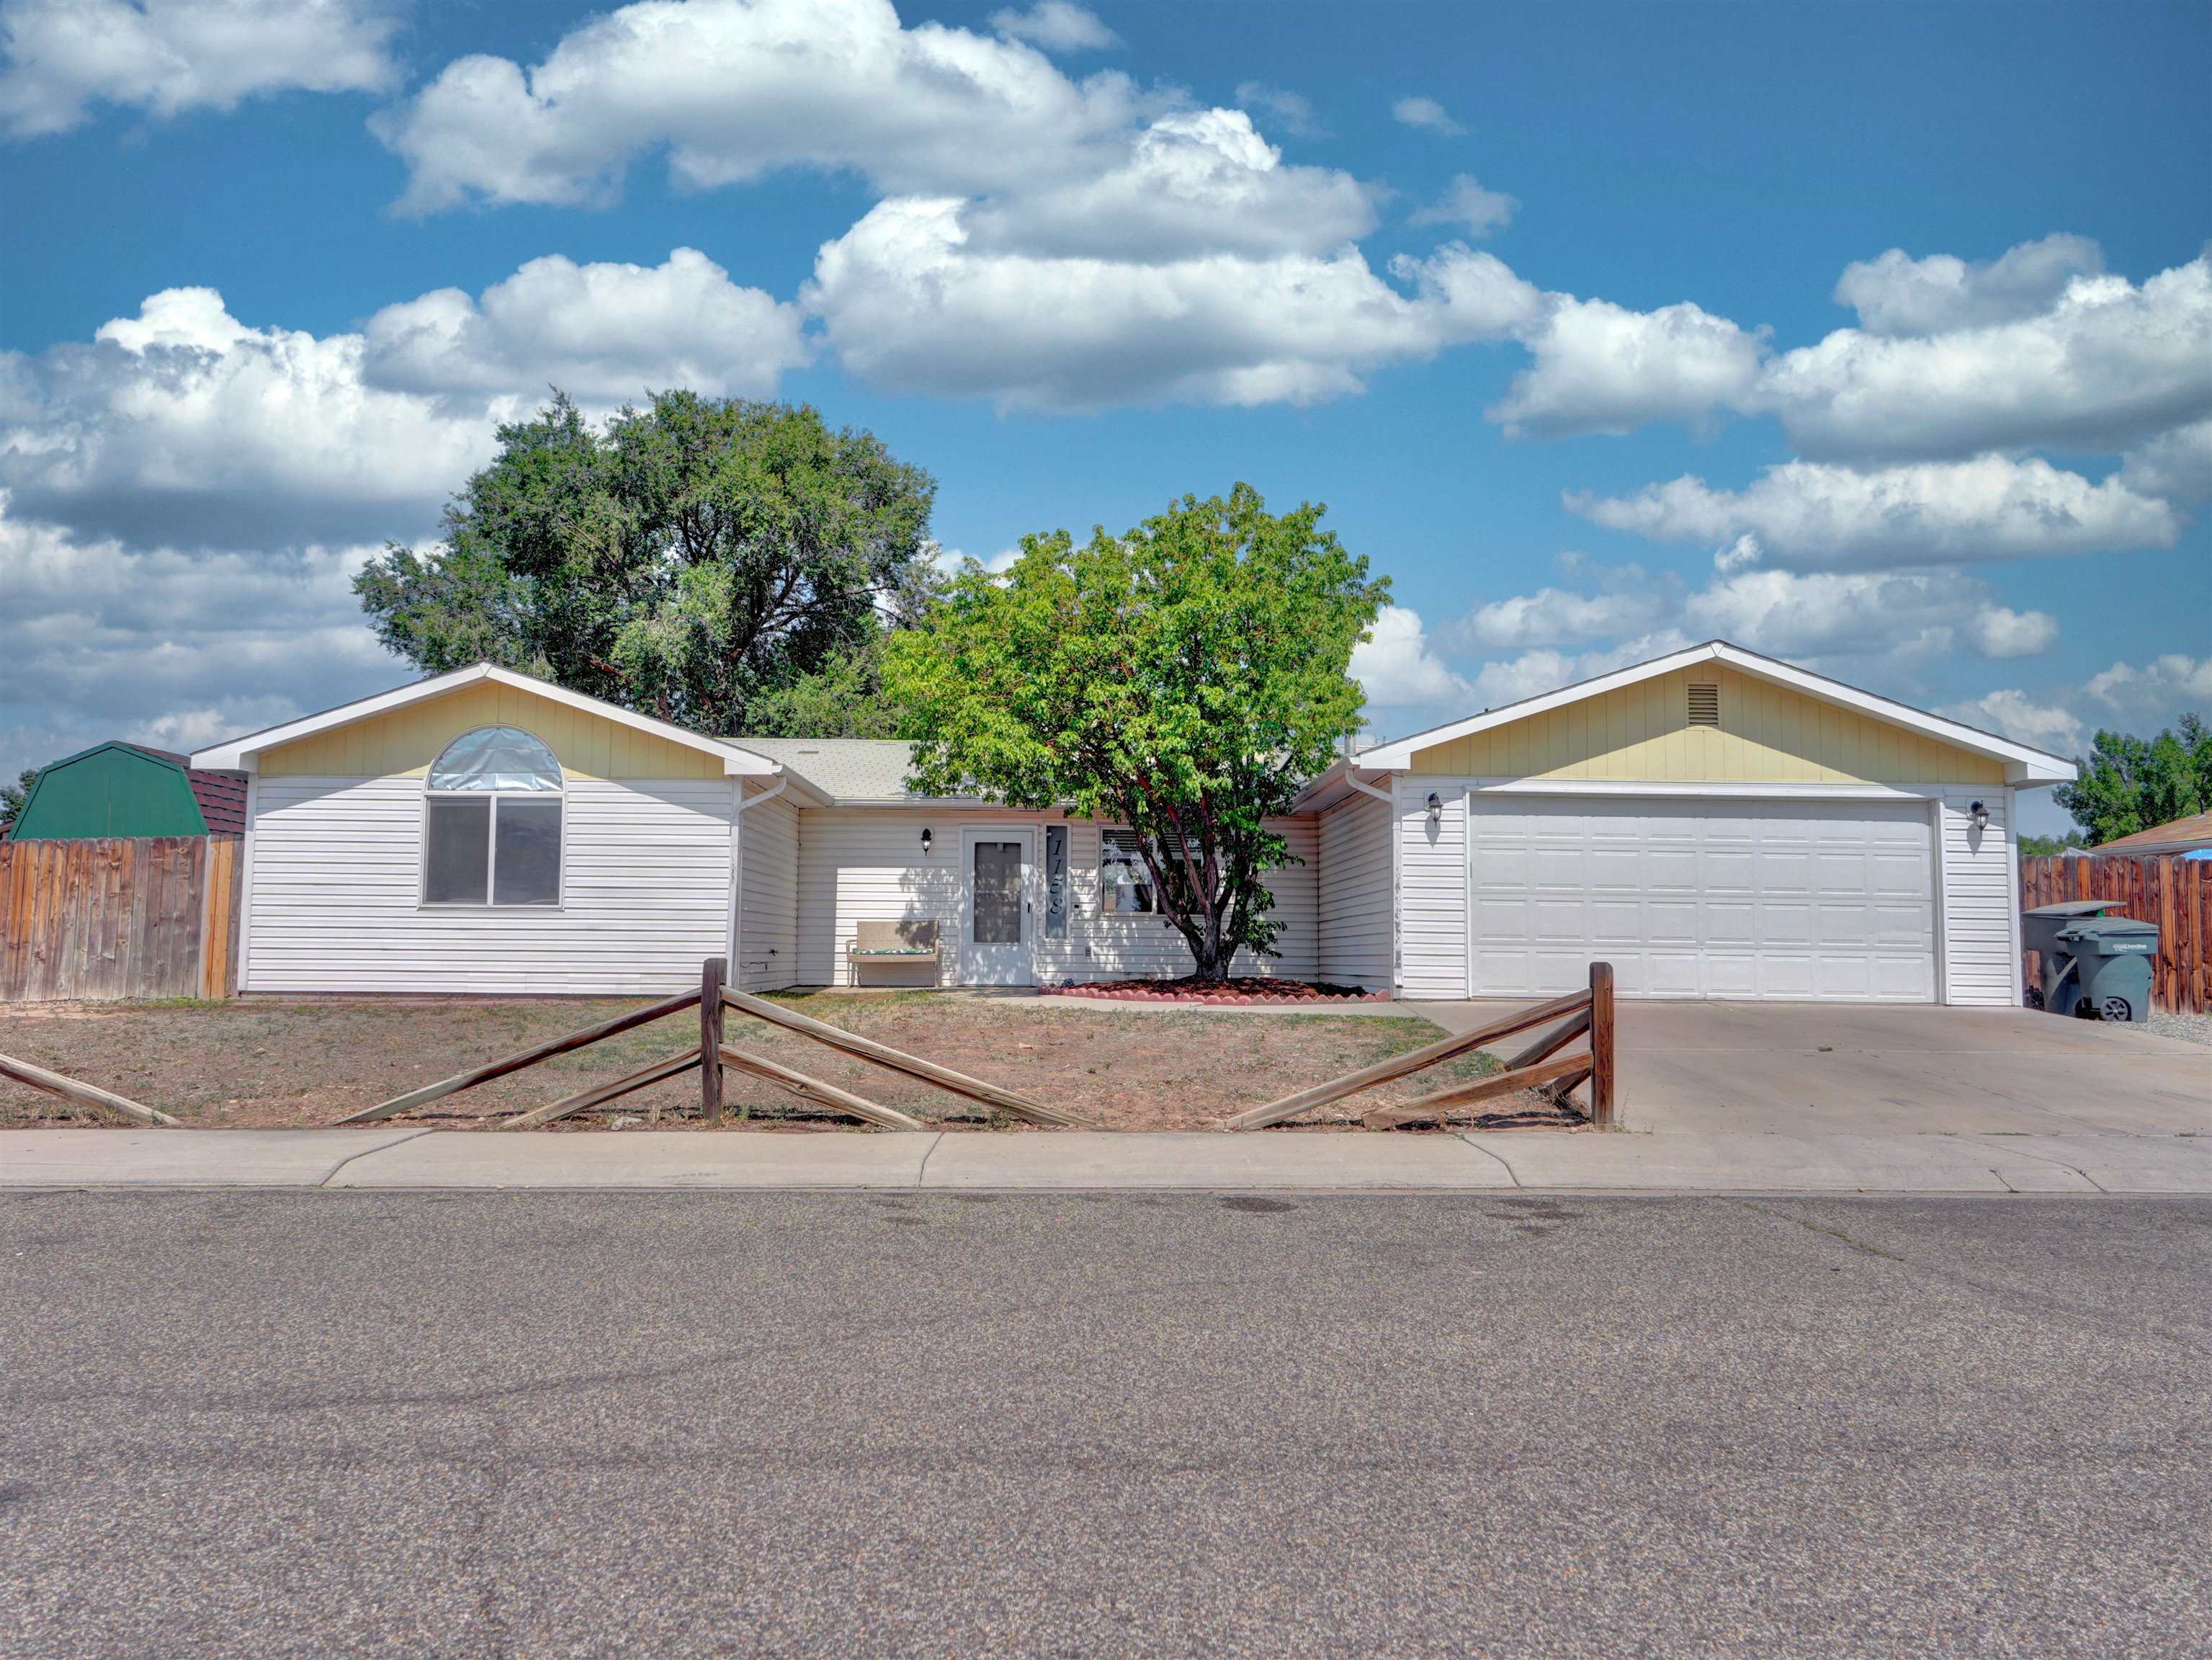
<point x="1140" y="994"/>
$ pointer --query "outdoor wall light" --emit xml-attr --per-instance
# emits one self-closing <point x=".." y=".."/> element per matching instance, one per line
<point x="1436" y="808"/>
<point x="1980" y="814"/>
<point x="925" y="839"/>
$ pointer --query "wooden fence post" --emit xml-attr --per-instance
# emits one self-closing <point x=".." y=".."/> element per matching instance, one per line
<point x="1601" y="1043"/>
<point x="710" y="1039"/>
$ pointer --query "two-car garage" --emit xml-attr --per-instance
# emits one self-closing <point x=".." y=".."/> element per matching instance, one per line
<point x="1688" y="898"/>
<point x="1714" y="823"/>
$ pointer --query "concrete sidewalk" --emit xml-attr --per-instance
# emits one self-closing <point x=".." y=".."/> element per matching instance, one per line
<point x="413" y="1156"/>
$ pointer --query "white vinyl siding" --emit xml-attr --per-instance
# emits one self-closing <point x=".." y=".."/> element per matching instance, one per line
<point x="335" y="902"/>
<point x="866" y="864"/>
<point x="1355" y="906"/>
<point x="768" y="925"/>
<point x="1432" y="929"/>
<point x="1981" y="900"/>
<point x="1704" y="899"/>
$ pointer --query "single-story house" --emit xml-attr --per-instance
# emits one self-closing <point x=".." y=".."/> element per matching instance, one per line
<point x="127" y="789"/>
<point x="2190" y="837"/>
<point x="1714" y="822"/>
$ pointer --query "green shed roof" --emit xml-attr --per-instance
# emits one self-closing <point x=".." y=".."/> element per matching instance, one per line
<point x="110" y="789"/>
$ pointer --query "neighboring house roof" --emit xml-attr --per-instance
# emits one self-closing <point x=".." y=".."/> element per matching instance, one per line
<point x="2023" y="764"/>
<point x="242" y="753"/>
<point x="851" y="772"/>
<point x="2182" y="836"/>
<point x="221" y="795"/>
<point x="77" y="796"/>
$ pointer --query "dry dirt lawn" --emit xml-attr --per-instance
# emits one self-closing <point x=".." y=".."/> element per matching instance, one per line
<point x="277" y="1065"/>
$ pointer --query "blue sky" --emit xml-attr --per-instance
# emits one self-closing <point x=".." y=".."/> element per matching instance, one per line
<point x="1876" y="337"/>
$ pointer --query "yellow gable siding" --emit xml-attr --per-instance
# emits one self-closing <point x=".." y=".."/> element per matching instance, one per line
<point x="404" y="743"/>
<point x="1768" y="734"/>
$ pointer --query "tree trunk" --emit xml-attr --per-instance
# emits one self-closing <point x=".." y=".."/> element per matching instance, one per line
<point x="1213" y="956"/>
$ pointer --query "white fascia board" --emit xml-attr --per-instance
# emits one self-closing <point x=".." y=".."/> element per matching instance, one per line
<point x="241" y="754"/>
<point x="2023" y="764"/>
<point x="1342" y="778"/>
<point x="1637" y="789"/>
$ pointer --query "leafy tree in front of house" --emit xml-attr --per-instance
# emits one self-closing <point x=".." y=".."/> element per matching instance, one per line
<point x="696" y="560"/>
<point x="2130" y="784"/>
<point x="1185" y="680"/>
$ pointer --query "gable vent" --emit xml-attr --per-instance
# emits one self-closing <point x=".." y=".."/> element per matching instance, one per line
<point x="1704" y="706"/>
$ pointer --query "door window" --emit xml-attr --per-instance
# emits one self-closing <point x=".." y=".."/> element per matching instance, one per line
<point x="997" y="893"/>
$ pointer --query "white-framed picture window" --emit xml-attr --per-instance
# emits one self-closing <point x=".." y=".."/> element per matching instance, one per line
<point x="491" y="822"/>
<point x="1125" y="882"/>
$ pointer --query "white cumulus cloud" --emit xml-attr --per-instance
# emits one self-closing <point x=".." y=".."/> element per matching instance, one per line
<point x="1813" y="515"/>
<point x="1426" y="115"/>
<point x="1898" y="294"/>
<point x="1532" y="673"/>
<point x="60" y="57"/>
<point x="1398" y="668"/>
<point x="733" y="89"/>
<point x="183" y="426"/>
<point x="2011" y="713"/>
<point x="2175" y="465"/>
<point x="2105" y="365"/>
<point x="604" y="334"/>
<point x="1467" y="205"/>
<point x="910" y="303"/>
<point x="1191" y="182"/>
<point x="170" y="648"/>
<point x="1602" y="367"/>
<point x="1057" y="26"/>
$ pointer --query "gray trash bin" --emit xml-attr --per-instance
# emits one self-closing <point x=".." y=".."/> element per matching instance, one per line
<point x="2093" y="966"/>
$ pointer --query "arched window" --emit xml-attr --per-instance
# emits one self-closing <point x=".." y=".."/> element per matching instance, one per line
<point x="492" y="822"/>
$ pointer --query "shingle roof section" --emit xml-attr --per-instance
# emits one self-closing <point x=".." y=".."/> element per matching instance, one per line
<point x="842" y="768"/>
<point x="221" y="795"/>
<point x="2179" y="836"/>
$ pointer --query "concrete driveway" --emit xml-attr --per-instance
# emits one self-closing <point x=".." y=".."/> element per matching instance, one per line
<point x="1831" y="1068"/>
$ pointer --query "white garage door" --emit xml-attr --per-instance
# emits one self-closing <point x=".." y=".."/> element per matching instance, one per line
<point x="1807" y="899"/>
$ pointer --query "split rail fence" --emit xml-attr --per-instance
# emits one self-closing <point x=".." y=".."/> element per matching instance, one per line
<point x="1539" y="1066"/>
<point x="2174" y="893"/>
<point x="112" y="918"/>
<point x="714" y="1001"/>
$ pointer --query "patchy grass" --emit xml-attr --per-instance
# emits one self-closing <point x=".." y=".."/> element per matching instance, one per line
<point x="270" y="1065"/>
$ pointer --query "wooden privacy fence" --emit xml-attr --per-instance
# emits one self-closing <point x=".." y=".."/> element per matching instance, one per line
<point x="118" y="917"/>
<point x="1538" y="1066"/>
<point x="2174" y="893"/>
<point x="714" y="1000"/>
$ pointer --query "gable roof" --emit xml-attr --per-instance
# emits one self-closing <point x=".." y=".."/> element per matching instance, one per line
<point x="219" y="796"/>
<point x="242" y="754"/>
<point x="2023" y="764"/>
<point x="853" y="772"/>
<point x="2177" y="836"/>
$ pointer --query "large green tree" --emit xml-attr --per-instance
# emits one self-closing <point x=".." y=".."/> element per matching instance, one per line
<point x="697" y="559"/>
<point x="2130" y="784"/>
<point x="1185" y="680"/>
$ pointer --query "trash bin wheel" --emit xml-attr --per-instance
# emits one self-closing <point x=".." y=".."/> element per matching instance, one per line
<point x="2116" y="1009"/>
<point x="2034" y="997"/>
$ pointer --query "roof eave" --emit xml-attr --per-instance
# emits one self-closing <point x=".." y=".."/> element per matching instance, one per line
<point x="243" y="754"/>
<point x="2025" y="765"/>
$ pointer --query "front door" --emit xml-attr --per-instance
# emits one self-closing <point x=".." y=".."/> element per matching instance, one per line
<point x="996" y="928"/>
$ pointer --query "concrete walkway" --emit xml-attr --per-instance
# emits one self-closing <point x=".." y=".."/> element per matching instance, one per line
<point x="413" y="1157"/>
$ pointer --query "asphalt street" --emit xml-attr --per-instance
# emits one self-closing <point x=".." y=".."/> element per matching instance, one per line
<point x="471" y="1424"/>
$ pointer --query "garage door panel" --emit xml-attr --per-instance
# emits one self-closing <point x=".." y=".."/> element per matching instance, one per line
<point x="1666" y="974"/>
<point x="1768" y="899"/>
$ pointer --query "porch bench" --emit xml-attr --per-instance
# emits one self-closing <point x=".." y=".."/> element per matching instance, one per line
<point x="911" y="943"/>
